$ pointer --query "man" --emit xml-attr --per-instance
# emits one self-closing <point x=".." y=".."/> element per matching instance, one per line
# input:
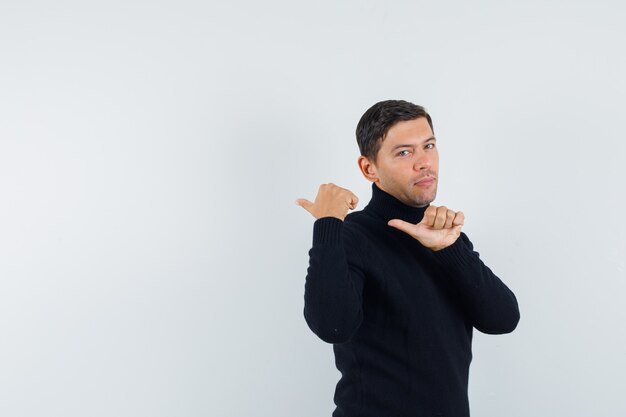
<point x="397" y="287"/>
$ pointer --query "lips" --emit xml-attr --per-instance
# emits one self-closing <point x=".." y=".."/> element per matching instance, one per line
<point x="425" y="181"/>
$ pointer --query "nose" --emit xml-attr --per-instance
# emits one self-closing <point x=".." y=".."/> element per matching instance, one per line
<point x="422" y="162"/>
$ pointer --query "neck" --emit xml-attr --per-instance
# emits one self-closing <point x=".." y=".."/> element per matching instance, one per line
<point x="387" y="207"/>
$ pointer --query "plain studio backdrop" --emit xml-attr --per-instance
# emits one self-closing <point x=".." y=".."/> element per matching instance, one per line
<point x="153" y="260"/>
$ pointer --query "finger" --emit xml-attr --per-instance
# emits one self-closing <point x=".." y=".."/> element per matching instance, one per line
<point x="304" y="203"/>
<point x="440" y="218"/>
<point x="459" y="219"/>
<point x="449" y="219"/>
<point x="429" y="216"/>
<point x="406" y="227"/>
<point x="354" y="200"/>
<point x="457" y="230"/>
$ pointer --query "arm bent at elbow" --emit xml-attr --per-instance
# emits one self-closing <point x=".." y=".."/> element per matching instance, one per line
<point x="334" y="285"/>
<point x="490" y="304"/>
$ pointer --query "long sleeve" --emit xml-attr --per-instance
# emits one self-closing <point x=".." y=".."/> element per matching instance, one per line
<point x="491" y="305"/>
<point x="333" y="294"/>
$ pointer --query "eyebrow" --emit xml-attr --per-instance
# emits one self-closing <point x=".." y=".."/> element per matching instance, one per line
<point x="410" y="145"/>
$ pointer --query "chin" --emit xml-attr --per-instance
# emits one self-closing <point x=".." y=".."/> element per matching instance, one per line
<point x="426" y="200"/>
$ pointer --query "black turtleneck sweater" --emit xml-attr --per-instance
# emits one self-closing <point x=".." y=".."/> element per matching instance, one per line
<point x="399" y="315"/>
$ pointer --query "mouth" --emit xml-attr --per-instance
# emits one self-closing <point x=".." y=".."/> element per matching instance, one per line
<point x="425" y="182"/>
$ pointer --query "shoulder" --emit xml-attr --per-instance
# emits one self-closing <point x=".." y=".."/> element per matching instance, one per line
<point x="466" y="240"/>
<point x="357" y="222"/>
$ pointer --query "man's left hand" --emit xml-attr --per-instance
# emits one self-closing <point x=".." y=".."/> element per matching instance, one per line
<point x="439" y="228"/>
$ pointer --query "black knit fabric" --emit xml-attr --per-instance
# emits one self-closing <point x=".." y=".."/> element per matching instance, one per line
<point x="399" y="315"/>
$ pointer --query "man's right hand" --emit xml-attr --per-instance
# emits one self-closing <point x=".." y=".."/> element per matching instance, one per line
<point x="331" y="201"/>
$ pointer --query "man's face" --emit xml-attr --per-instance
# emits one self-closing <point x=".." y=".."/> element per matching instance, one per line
<point x="406" y="157"/>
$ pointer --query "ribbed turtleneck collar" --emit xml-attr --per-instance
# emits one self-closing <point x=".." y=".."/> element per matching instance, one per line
<point x="388" y="207"/>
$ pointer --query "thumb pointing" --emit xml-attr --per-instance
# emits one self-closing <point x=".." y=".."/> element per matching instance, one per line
<point x="304" y="203"/>
<point x="400" y="225"/>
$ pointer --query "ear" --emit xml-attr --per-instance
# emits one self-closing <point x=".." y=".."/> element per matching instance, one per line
<point x="368" y="169"/>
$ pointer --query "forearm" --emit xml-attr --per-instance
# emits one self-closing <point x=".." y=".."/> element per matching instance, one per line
<point x="491" y="305"/>
<point x="333" y="287"/>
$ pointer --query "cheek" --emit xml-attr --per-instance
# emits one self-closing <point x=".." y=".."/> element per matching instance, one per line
<point x="435" y="160"/>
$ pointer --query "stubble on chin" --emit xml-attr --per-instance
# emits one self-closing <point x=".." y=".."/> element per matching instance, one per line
<point x="426" y="198"/>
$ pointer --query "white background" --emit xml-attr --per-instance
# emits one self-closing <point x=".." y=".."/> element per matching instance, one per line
<point x="152" y="259"/>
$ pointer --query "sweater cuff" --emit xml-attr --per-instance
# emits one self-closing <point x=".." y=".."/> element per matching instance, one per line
<point x="454" y="255"/>
<point x="327" y="231"/>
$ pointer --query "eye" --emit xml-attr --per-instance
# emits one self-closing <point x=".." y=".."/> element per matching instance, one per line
<point x="400" y="153"/>
<point x="429" y="144"/>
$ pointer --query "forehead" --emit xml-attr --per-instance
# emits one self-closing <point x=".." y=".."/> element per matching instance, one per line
<point x="408" y="131"/>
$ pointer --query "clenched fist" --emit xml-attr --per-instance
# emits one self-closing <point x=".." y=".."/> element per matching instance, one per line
<point x="331" y="201"/>
<point x="439" y="228"/>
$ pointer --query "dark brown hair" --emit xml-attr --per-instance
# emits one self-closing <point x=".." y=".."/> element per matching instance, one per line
<point x="378" y="119"/>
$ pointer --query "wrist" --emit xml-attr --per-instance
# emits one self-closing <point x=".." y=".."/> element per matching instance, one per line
<point x="335" y="215"/>
<point x="327" y="231"/>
